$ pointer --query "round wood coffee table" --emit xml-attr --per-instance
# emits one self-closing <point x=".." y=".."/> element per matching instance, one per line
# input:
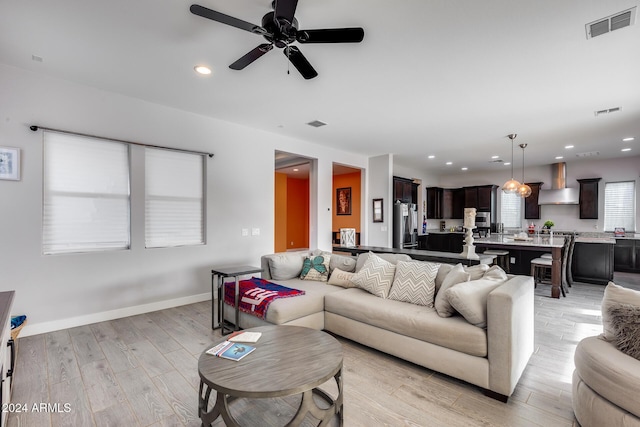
<point x="288" y="360"/>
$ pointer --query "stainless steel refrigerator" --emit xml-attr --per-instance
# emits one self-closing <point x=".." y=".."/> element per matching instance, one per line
<point x="405" y="225"/>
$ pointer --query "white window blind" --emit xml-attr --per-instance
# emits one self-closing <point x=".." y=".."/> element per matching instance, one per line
<point x="174" y="198"/>
<point x="511" y="210"/>
<point x="620" y="205"/>
<point x="86" y="194"/>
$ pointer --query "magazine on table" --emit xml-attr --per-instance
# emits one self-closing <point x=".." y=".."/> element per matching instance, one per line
<point x="231" y="350"/>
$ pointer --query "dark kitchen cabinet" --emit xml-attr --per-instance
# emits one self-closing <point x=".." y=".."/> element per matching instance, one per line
<point x="531" y="206"/>
<point x="470" y="197"/>
<point x="487" y="195"/>
<point x="457" y="203"/>
<point x="589" y="198"/>
<point x="627" y="255"/>
<point x="593" y="262"/>
<point x="445" y="242"/>
<point x="447" y="203"/>
<point x="403" y="190"/>
<point x="434" y="203"/>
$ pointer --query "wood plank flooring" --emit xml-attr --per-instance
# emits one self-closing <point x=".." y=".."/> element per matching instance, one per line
<point x="142" y="371"/>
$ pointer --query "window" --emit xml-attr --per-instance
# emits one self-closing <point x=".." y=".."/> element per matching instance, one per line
<point x="511" y="210"/>
<point x="174" y="200"/>
<point x="620" y="205"/>
<point x="86" y="194"/>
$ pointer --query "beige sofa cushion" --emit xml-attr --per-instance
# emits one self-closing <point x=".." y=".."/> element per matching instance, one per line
<point x="392" y="258"/>
<point x="616" y="294"/>
<point x="476" y="271"/>
<point x="286" y="265"/>
<point x="341" y="278"/>
<point x="455" y="276"/>
<point x="416" y="321"/>
<point x="612" y="374"/>
<point x="470" y="299"/>
<point x="443" y="271"/>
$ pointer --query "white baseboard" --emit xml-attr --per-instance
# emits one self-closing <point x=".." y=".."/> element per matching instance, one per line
<point x="72" y="322"/>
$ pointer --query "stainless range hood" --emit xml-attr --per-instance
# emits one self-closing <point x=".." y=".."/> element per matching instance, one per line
<point x="559" y="193"/>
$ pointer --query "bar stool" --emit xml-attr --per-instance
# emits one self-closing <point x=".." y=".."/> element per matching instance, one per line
<point x="502" y="258"/>
<point x="541" y="266"/>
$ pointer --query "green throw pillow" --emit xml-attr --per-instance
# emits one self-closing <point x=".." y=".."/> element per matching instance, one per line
<point x="316" y="268"/>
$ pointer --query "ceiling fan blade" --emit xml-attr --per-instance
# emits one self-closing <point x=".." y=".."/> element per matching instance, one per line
<point x="332" y="35"/>
<point x="285" y="9"/>
<point x="251" y="56"/>
<point x="300" y="62"/>
<point x="196" y="9"/>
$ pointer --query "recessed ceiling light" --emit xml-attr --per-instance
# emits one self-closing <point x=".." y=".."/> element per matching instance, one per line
<point x="626" y="149"/>
<point x="449" y="163"/>
<point x="495" y="157"/>
<point x="464" y="169"/>
<point x="559" y="157"/>
<point x="431" y="157"/>
<point x="507" y="163"/>
<point x="296" y="169"/>
<point x="202" y="69"/>
<point x="568" y="147"/>
<point x="628" y="139"/>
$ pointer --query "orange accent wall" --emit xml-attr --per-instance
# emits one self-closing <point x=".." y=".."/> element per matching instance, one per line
<point x="291" y="226"/>
<point x="297" y="213"/>
<point x="280" y="226"/>
<point x="352" y="180"/>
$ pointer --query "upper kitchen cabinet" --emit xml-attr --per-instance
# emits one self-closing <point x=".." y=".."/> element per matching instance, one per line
<point x="403" y="190"/>
<point x="531" y="206"/>
<point x="482" y="197"/>
<point x="589" y="198"/>
<point x="471" y="197"/>
<point x="457" y="203"/>
<point x="434" y="203"/>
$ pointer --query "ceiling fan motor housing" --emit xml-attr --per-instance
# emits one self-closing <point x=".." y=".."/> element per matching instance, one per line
<point x="279" y="31"/>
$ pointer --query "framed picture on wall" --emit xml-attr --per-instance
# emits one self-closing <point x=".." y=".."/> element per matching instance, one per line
<point x="377" y="211"/>
<point x="343" y="201"/>
<point x="10" y="163"/>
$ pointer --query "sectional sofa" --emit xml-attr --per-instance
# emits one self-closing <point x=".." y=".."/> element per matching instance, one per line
<point x="490" y="347"/>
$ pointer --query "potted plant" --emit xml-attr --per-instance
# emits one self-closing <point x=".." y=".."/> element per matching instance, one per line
<point x="547" y="226"/>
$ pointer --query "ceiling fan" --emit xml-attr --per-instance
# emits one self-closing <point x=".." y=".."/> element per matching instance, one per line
<point x="280" y="28"/>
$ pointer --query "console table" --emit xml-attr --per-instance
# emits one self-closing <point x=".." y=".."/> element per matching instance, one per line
<point x="218" y="274"/>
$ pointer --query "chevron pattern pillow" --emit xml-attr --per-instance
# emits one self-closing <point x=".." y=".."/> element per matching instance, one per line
<point x="375" y="276"/>
<point x="415" y="282"/>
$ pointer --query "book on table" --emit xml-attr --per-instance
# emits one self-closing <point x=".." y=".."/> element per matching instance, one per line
<point x="244" y="336"/>
<point x="231" y="350"/>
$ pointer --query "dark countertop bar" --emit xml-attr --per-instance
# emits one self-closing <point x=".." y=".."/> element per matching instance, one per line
<point x="418" y="254"/>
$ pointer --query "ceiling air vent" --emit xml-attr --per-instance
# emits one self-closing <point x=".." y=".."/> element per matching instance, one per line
<point x="611" y="23"/>
<point x="607" y="111"/>
<point x="316" y="123"/>
<point x="588" y="154"/>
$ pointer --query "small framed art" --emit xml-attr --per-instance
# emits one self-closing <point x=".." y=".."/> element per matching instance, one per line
<point x="343" y="201"/>
<point x="10" y="163"/>
<point x="377" y="211"/>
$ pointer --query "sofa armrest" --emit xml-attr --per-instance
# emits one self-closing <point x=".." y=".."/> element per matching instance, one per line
<point x="264" y="264"/>
<point x="510" y="332"/>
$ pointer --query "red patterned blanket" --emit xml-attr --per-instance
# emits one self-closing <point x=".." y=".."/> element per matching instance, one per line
<point x="256" y="294"/>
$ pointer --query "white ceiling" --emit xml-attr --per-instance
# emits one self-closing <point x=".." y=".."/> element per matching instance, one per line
<point x="448" y="78"/>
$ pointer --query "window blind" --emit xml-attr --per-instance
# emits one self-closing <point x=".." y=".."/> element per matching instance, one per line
<point x="86" y="194"/>
<point x="511" y="210"/>
<point x="620" y="205"/>
<point x="174" y="198"/>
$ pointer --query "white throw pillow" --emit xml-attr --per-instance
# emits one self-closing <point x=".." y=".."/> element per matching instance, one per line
<point x="495" y="272"/>
<point x="616" y="294"/>
<point x="342" y="278"/>
<point x="456" y="275"/>
<point x="414" y="282"/>
<point x="442" y="274"/>
<point x="470" y="299"/>
<point x="476" y="271"/>
<point x="375" y="276"/>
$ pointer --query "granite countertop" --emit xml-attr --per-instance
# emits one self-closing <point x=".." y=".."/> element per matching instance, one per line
<point x="607" y="240"/>
<point x="444" y="232"/>
<point x="512" y="240"/>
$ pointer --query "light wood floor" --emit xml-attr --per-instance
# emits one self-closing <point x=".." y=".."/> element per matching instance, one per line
<point x="142" y="371"/>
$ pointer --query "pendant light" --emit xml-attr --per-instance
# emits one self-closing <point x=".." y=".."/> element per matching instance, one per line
<point x="512" y="185"/>
<point x="524" y="190"/>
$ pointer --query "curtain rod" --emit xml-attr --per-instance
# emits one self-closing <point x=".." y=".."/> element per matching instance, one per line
<point x="36" y="128"/>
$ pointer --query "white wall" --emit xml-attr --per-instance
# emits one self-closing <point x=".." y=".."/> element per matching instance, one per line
<point x="67" y="290"/>
<point x="565" y="217"/>
<point x="380" y="187"/>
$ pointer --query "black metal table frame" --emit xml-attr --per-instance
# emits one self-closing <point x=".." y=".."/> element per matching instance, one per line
<point x="218" y="274"/>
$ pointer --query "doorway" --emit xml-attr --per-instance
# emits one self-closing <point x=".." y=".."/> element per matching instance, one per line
<point x="347" y="201"/>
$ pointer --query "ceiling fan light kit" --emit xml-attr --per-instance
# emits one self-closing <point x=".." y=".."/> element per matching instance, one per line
<point x="512" y="185"/>
<point x="280" y="29"/>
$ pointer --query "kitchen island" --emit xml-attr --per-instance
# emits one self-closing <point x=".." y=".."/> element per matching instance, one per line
<point x="535" y="245"/>
<point x="593" y="260"/>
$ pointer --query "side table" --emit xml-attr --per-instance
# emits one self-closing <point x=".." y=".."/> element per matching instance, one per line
<point x="218" y="274"/>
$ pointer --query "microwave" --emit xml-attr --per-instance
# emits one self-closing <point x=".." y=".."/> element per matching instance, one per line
<point x="483" y="219"/>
